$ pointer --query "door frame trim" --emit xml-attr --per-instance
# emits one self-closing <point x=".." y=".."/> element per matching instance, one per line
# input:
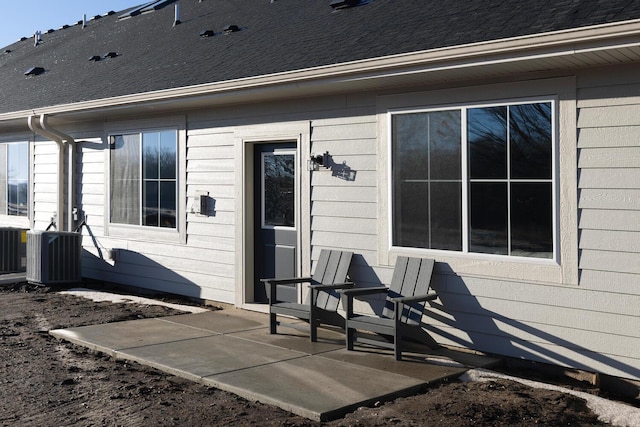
<point x="245" y="139"/>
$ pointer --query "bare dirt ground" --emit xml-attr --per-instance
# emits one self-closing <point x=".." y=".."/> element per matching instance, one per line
<point x="46" y="382"/>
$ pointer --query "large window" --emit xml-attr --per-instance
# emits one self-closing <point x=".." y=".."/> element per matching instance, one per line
<point x="475" y="179"/>
<point x="144" y="178"/>
<point x="14" y="179"/>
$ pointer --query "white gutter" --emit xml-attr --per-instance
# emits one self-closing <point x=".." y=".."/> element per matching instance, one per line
<point x="65" y="145"/>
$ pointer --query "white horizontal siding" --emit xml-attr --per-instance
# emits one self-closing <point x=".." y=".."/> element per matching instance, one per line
<point x="609" y="225"/>
<point x="572" y="326"/>
<point x="343" y="211"/>
<point x="607" y="219"/>
<point x="45" y="178"/>
<point x="607" y="137"/>
<point x="622" y="157"/>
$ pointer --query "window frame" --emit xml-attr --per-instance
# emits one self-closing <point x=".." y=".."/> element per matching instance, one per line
<point x="495" y="269"/>
<point x="466" y="180"/>
<point x="140" y="232"/>
<point x="4" y="145"/>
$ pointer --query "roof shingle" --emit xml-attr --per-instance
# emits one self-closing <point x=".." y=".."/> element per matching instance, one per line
<point x="278" y="36"/>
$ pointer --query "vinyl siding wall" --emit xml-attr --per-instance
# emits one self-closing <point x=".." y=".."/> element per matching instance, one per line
<point x="596" y="324"/>
<point x="593" y="325"/>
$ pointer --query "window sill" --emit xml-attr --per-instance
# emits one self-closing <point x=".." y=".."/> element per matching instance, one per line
<point x="147" y="234"/>
<point x="521" y="269"/>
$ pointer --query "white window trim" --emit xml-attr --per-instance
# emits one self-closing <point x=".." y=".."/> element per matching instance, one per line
<point x="21" y="221"/>
<point x="141" y="232"/>
<point x="465" y="180"/>
<point x="561" y="270"/>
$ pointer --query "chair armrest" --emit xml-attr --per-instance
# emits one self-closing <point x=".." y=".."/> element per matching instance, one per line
<point x="364" y="291"/>
<point x="321" y="287"/>
<point x="415" y="298"/>
<point x="286" y="281"/>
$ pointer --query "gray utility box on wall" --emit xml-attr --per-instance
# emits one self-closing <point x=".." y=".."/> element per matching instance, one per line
<point x="13" y="250"/>
<point x="54" y="257"/>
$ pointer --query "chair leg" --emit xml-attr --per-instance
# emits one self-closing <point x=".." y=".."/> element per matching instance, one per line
<point x="272" y="323"/>
<point x="397" y="345"/>
<point x="313" y="326"/>
<point x="397" y="335"/>
<point x="350" y="336"/>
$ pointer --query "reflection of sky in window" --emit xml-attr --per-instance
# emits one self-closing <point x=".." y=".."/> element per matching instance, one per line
<point x="18" y="162"/>
<point x="159" y="150"/>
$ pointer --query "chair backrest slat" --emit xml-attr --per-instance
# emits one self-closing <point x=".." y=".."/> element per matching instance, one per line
<point x="332" y="267"/>
<point x="411" y="276"/>
<point x="321" y="267"/>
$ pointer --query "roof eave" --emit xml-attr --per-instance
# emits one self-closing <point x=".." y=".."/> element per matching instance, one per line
<point x="534" y="49"/>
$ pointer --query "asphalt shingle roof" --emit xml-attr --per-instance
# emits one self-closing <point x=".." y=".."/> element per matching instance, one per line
<point x="276" y="36"/>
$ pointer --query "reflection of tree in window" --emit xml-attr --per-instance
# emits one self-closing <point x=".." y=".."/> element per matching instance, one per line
<point x="159" y="179"/>
<point x="510" y="151"/>
<point x="144" y="177"/>
<point x="279" y="185"/>
<point x="509" y="179"/>
<point x="427" y="180"/>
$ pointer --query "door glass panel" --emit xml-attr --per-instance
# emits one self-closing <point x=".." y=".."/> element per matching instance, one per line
<point x="278" y="198"/>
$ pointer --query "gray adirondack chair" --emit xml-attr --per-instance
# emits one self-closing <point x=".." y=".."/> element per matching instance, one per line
<point x="321" y="306"/>
<point x="404" y="306"/>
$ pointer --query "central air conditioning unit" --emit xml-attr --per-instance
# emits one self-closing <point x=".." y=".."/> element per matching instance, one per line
<point x="13" y="250"/>
<point x="54" y="257"/>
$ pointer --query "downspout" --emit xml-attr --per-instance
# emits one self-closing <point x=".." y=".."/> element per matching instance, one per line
<point x="65" y="143"/>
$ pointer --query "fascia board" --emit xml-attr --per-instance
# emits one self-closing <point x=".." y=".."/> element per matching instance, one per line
<point x="539" y="46"/>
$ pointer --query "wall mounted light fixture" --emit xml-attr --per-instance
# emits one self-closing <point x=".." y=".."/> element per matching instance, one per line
<point x="317" y="160"/>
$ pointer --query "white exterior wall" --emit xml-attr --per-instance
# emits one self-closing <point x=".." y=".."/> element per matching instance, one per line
<point x="594" y="324"/>
<point x="45" y="176"/>
<point x="582" y="313"/>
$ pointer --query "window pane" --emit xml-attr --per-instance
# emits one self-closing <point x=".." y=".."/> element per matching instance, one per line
<point x="167" y="149"/>
<point x="125" y="179"/>
<point x="444" y="144"/>
<point x="530" y="137"/>
<point x="411" y="214"/>
<point x="488" y="216"/>
<point x="446" y="215"/>
<point x="17" y="177"/>
<point x="3" y="179"/>
<point x="279" y="185"/>
<point x="487" y="136"/>
<point x="150" y="147"/>
<point x="410" y="148"/>
<point x="531" y="220"/>
<point x="168" y="204"/>
<point x="150" y="209"/>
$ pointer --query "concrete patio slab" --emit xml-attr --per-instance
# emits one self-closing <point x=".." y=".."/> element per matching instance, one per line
<point x="222" y="321"/>
<point x="112" y="337"/>
<point x="314" y="387"/>
<point x="296" y="340"/>
<point x="201" y="357"/>
<point x="233" y="351"/>
<point x="415" y="367"/>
